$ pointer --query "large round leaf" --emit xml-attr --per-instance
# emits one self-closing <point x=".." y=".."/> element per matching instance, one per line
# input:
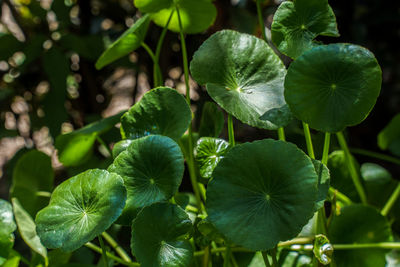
<point x="32" y="173"/>
<point x="359" y="224"/>
<point x="297" y="23"/>
<point x="7" y="227"/>
<point x="80" y="209"/>
<point x="246" y="78"/>
<point x="161" y="111"/>
<point x="159" y="236"/>
<point x="262" y="193"/>
<point x="129" y="41"/>
<point x="333" y="86"/>
<point x="152" y="168"/>
<point x="196" y="15"/>
<point x="208" y="152"/>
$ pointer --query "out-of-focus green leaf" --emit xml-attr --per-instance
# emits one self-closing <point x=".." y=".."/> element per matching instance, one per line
<point x="212" y="120"/>
<point x="86" y="46"/>
<point x="7" y="228"/>
<point x="389" y="137"/>
<point x="8" y="46"/>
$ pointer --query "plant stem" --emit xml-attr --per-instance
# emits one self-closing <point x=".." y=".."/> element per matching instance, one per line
<point x="353" y="172"/>
<point x="265" y="256"/>
<point x="192" y="172"/>
<point x="43" y="194"/>
<point x="156" y="69"/>
<point x="120" y="251"/>
<point x="101" y="141"/>
<point x="274" y="256"/>
<point x="206" y="256"/>
<point x="227" y="260"/>
<point x="342" y="197"/>
<point x="383" y="245"/>
<point x="103" y="248"/>
<point x="325" y="151"/>
<point x="389" y="204"/>
<point x="149" y="51"/>
<point x="231" y="131"/>
<point x="281" y="134"/>
<point x="307" y="135"/>
<point x="376" y="155"/>
<point x="261" y="20"/>
<point x="111" y="256"/>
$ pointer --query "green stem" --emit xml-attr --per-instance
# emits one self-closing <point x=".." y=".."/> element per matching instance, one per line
<point x="353" y="172"/>
<point x="265" y="256"/>
<point x="206" y="256"/>
<point x="261" y="20"/>
<point x="389" y="204"/>
<point x="157" y="70"/>
<point x="192" y="172"/>
<point x="309" y="144"/>
<point x="325" y="152"/>
<point x="281" y="134"/>
<point x="149" y="51"/>
<point x="192" y="209"/>
<point x="114" y="244"/>
<point x="274" y="256"/>
<point x="227" y="260"/>
<point x="103" y="248"/>
<point x="102" y="143"/>
<point x="375" y="155"/>
<point x="231" y="131"/>
<point x="111" y="256"/>
<point x="383" y="245"/>
<point x="342" y="197"/>
<point x="43" y="194"/>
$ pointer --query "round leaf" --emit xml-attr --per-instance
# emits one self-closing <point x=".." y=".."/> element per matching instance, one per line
<point x="152" y="168"/>
<point x="246" y="78"/>
<point x="120" y="147"/>
<point x="196" y="15"/>
<point x="161" y="111"/>
<point x="159" y="236"/>
<point x="262" y="193"/>
<point x="297" y="23"/>
<point x="129" y="41"/>
<point x="333" y="86"/>
<point x="7" y="227"/>
<point x="80" y="209"/>
<point x="209" y="151"/>
<point x="359" y="224"/>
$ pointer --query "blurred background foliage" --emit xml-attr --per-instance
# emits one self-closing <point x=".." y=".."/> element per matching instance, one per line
<point x="49" y="84"/>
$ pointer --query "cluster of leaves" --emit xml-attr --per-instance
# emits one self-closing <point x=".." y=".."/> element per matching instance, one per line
<point x="254" y="204"/>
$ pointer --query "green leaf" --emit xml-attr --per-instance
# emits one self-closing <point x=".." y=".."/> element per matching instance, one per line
<point x="196" y="15"/>
<point x="323" y="183"/>
<point x="161" y="111"/>
<point x="160" y="236"/>
<point x="32" y="173"/>
<point x="262" y="193"/>
<point x="129" y="41"/>
<point x="80" y="209"/>
<point x="12" y="262"/>
<point x="296" y="24"/>
<point x="152" y="168"/>
<point x="389" y="137"/>
<point x="75" y="148"/>
<point x="333" y="86"/>
<point x="120" y="147"/>
<point x="340" y="174"/>
<point x="323" y="249"/>
<point x="27" y="228"/>
<point x="207" y="229"/>
<point x="7" y="228"/>
<point x="212" y="120"/>
<point x="246" y="78"/>
<point x="359" y="224"/>
<point x="208" y="152"/>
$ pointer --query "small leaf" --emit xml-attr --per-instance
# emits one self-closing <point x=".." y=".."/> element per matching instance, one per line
<point x="75" y="148"/>
<point x="389" y="137"/>
<point x="207" y="229"/>
<point x="323" y="249"/>
<point x="359" y="224"/>
<point x="246" y="78"/>
<point x="208" y="152"/>
<point x="323" y="183"/>
<point x="333" y="86"/>
<point x="80" y="209"/>
<point x="27" y="229"/>
<point x="297" y="23"/>
<point x="129" y="41"/>
<point x="152" y="168"/>
<point x="262" y="193"/>
<point x="160" y="236"/>
<point x="161" y="111"/>
<point x="7" y="228"/>
<point x="32" y="173"/>
<point x="212" y="120"/>
<point x="196" y="15"/>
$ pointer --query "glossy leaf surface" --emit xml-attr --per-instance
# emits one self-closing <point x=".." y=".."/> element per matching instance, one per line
<point x="244" y="76"/>
<point x="152" y="169"/>
<point x="129" y="41"/>
<point x="7" y="227"/>
<point x="256" y="200"/>
<point x="160" y="235"/>
<point x="196" y="15"/>
<point x="389" y="137"/>
<point x="297" y="23"/>
<point x="32" y="173"/>
<point x="208" y="152"/>
<point x="359" y="224"/>
<point x="333" y="86"/>
<point x="161" y="111"/>
<point x="27" y="228"/>
<point x="80" y="209"/>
